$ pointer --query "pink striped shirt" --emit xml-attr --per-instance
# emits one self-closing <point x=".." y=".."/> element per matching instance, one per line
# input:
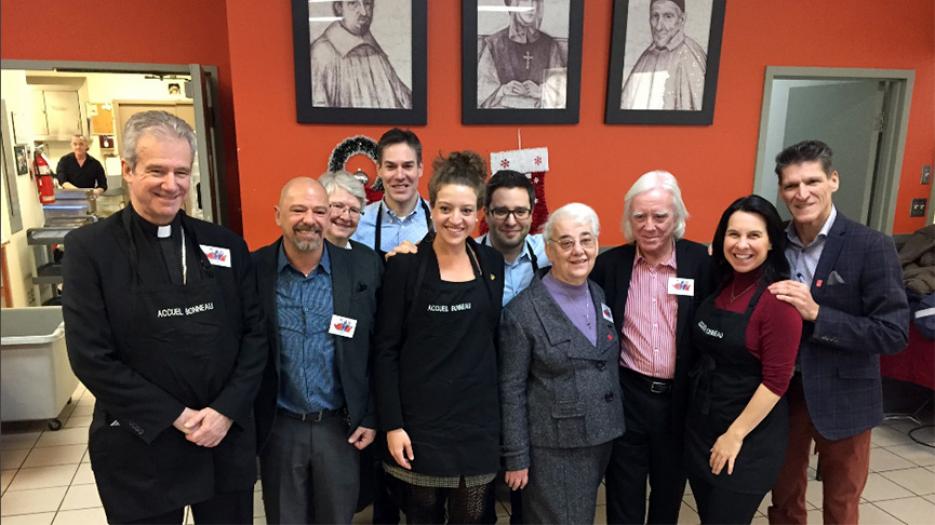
<point x="647" y="344"/>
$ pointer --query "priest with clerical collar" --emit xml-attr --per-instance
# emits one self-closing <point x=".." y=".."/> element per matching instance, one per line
<point x="164" y="327"/>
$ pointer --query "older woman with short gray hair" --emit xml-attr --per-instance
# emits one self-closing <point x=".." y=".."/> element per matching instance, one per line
<point x="347" y="198"/>
<point x="559" y="388"/>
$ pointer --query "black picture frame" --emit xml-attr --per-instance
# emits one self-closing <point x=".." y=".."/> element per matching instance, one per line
<point x="21" y="159"/>
<point x="472" y="114"/>
<point x="615" y="114"/>
<point x="307" y="113"/>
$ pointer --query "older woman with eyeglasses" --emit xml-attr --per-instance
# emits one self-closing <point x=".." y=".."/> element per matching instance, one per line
<point x="346" y="197"/>
<point x="559" y="391"/>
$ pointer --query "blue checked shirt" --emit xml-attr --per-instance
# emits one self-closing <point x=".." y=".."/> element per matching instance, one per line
<point x="309" y="380"/>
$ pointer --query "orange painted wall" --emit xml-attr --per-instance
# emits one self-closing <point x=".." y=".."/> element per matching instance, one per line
<point x="145" y="31"/>
<point x="590" y="161"/>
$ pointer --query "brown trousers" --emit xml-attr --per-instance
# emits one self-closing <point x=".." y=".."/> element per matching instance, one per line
<point x="845" y="464"/>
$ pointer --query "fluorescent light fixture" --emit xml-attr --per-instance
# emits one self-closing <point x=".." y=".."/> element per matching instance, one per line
<point x="504" y="8"/>
<point x="325" y="18"/>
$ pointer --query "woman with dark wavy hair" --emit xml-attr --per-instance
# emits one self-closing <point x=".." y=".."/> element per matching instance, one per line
<point x="436" y="359"/>
<point x="747" y="342"/>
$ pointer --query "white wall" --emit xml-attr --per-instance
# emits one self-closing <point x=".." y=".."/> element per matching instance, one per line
<point x="20" y="255"/>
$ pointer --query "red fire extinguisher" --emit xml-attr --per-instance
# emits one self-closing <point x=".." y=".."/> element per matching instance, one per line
<point x="44" y="178"/>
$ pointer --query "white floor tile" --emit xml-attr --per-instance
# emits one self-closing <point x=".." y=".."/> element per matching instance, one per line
<point x="82" y="410"/>
<point x="882" y="459"/>
<point x="814" y="516"/>
<point x="258" y="509"/>
<point x="688" y="516"/>
<point x="18" y="440"/>
<point x="880" y="488"/>
<point x="44" y="518"/>
<point x="65" y="436"/>
<point x="60" y="455"/>
<point x="363" y="517"/>
<point x="600" y="515"/>
<point x="84" y="476"/>
<point x="81" y="517"/>
<point x="919" y="480"/>
<point x="43" y="477"/>
<point x="884" y="436"/>
<point x="12" y="459"/>
<point x="6" y="476"/>
<point x="870" y="514"/>
<point x="918" y="454"/>
<point x="79" y="422"/>
<point x="31" y="501"/>
<point x="931" y="498"/>
<point x="81" y="497"/>
<point x="261" y="520"/>
<point x="813" y="494"/>
<point x="910" y="510"/>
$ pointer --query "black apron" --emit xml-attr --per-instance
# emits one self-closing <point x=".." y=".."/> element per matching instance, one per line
<point x="178" y="338"/>
<point x="378" y="231"/>
<point x="724" y="380"/>
<point x="448" y="365"/>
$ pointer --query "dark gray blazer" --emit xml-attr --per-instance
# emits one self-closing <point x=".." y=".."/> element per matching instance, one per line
<point x="355" y="281"/>
<point x="556" y="389"/>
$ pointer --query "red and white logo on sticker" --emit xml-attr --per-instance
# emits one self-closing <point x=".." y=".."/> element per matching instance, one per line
<point x="217" y="256"/>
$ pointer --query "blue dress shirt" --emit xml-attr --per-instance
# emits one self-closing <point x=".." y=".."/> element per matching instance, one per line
<point x="803" y="260"/>
<point x="309" y="379"/>
<point x="518" y="274"/>
<point x="394" y="229"/>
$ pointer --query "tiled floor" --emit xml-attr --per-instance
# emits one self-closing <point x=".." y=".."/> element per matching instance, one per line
<point x="46" y="478"/>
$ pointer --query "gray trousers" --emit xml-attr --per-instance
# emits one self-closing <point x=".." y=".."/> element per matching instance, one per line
<point x="563" y="483"/>
<point x="310" y="472"/>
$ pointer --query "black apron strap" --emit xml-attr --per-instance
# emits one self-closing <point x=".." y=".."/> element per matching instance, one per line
<point x="532" y="258"/>
<point x="378" y="229"/>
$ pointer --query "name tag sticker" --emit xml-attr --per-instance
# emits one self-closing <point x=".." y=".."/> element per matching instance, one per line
<point x="605" y="311"/>
<point x="680" y="286"/>
<point x="343" y="326"/>
<point x="217" y="256"/>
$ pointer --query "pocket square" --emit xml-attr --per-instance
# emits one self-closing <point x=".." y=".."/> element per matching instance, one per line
<point x="361" y="287"/>
<point x="835" y="278"/>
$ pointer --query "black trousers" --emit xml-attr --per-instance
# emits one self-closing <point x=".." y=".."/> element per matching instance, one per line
<point x="717" y="506"/>
<point x="226" y="508"/>
<point x="647" y="449"/>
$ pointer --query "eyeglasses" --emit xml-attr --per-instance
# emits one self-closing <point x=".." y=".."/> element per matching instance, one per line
<point x="566" y="245"/>
<point x="340" y="208"/>
<point x="518" y="213"/>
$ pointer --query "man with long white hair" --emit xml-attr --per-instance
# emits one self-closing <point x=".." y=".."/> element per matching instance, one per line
<point x="653" y="285"/>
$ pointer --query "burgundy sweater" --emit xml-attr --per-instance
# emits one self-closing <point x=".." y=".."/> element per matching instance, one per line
<point x="774" y="331"/>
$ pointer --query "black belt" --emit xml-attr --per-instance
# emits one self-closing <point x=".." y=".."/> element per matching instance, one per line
<point x="313" y="417"/>
<point x="656" y="385"/>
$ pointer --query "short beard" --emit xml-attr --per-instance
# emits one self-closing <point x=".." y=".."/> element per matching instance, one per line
<point x="503" y="244"/>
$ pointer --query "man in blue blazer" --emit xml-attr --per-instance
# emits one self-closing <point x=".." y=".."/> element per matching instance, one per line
<point x="847" y="285"/>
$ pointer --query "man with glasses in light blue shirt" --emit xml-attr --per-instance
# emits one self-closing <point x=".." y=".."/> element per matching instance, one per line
<point x="509" y="203"/>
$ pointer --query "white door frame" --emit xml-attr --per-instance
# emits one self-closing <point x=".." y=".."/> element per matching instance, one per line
<point x="895" y="129"/>
<point x="214" y="206"/>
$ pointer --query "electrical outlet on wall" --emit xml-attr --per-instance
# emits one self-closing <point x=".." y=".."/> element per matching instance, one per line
<point x="926" y="174"/>
<point x="917" y="209"/>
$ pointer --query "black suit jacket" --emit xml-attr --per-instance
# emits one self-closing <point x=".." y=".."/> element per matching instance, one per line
<point x="355" y="280"/>
<point x="612" y="272"/>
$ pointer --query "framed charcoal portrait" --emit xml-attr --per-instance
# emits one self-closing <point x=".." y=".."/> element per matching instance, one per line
<point x="664" y="58"/>
<point x="521" y="61"/>
<point x="360" y="61"/>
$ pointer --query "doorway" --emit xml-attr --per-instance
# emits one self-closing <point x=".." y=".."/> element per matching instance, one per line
<point x="193" y="96"/>
<point x="862" y="114"/>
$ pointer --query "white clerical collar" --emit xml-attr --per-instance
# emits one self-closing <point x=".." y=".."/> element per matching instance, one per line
<point x="344" y="41"/>
<point x="164" y="231"/>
